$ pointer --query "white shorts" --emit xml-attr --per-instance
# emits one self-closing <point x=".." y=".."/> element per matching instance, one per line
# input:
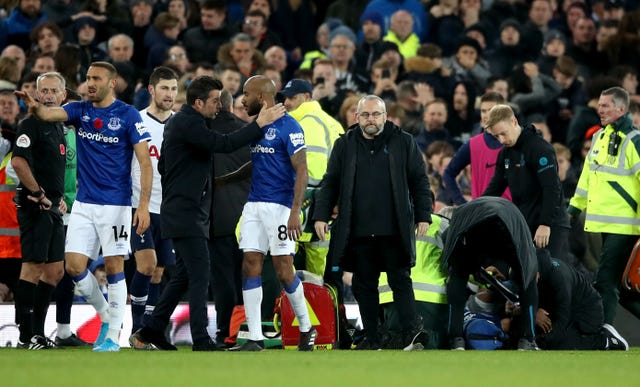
<point x="93" y="225"/>
<point x="264" y="228"/>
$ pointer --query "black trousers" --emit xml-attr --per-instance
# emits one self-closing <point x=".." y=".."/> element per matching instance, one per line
<point x="226" y="280"/>
<point x="373" y="255"/>
<point x="584" y="331"/>
<point x="192" y="273"/>
<point x="616" y="249"/>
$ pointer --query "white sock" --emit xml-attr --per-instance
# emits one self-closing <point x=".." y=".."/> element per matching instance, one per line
<point x="299" y="305"/>
<point x="117" y="293"/>
<point x="89" y="289"/>
<point x="252" y="303"/>
<point x="64" y="331"/>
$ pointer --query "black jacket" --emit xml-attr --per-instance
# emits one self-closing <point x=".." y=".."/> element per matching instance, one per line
<point x="497" y="224"/>
<point x="568" y="297"/>
<point x="530" y="170"/>
<point x="185" y="167"/>
<point x="410" y="188"/>
<point x="229" y="196"/>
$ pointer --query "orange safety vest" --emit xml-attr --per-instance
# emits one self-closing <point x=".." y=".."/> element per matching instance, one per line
<point x="9" y="229"/>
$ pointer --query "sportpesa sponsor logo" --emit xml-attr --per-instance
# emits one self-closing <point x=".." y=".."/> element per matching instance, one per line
<point x="262" y="149"/>
<point x="98" y="137"/>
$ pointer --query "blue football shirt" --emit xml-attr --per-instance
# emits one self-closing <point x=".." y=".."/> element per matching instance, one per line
<point x="273" y="176"/>
<point x="105" y="139"/>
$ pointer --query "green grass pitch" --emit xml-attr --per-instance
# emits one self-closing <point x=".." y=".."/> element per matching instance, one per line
<point x="81" y="367"/>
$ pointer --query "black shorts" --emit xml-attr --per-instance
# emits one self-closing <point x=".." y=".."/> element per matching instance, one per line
<point x="41" y="235"/>
<point x="152" y="239"/>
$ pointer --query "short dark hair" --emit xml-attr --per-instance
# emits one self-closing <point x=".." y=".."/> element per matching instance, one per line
<point x="492" y="96"/>
<point x="160" y="73"/>
<point x="113" y="73"/>
<point x="200" y="88"/>
<point x="261" y="14"/>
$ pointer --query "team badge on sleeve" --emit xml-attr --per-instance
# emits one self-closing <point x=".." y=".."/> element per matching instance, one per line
<point x="23" y="141"/>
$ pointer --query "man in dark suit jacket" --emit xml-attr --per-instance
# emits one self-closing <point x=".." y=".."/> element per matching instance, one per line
<point x="232" y="172"/>
<point x="186" y="166"/>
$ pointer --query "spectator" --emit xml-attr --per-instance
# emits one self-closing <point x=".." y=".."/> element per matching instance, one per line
<point x="401" y="33"/>
<point x="44" y="63"/>
<point x="162" y="35"/>
<point x="370" y="49"/>
<point x="85" y="34"/>
<point x="347" y="115"/>
<point x="342" y="48"/>
<point x="177" y="59"/>
<point x="256" y="25"/>
<point x="386" y="8"/>
<point x="45" y="38"/>
<point x="412" y="97"/>
<point x="17" y="53"/>
<point x="529" y="90"/>
<point x="427" y="67"/>
<point x="462" y="114"/>
<point x="240" y="54"/>
<point x="140" y="24"/>
<point x="322" y="42"/>
<point x="325" y="90"/>
<point x="511" y="50"/>
<point x="446" y="22"/>
<point x="467" y="64"/>
<point x="553" y="48"/>
<point x="9" y="73"/>
<point x="276" y="56"/>
<point x="583" y="48"/>
<point x="351" y="12"/>
<point x="537" y="25"/>
<point x="231" y="79"/>
<point x="293" y="21"/>
<point x="572" y="95"/>
<point x="202" y="42"/>
<point x="21" y="20"/>
<point x="627" y="77"/>
<point x="383" y="80"/>
<point x="181" y="10"/>
<point x="434" y="118"/>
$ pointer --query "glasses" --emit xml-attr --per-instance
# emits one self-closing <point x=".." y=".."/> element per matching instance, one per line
<point x="177" y="56"/>
<point x="342" y="46"/>
<point x="366" y="115"/>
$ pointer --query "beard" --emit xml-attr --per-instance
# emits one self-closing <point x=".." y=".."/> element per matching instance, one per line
<point x="372" y="129"/>
<point x="254" y="108"/>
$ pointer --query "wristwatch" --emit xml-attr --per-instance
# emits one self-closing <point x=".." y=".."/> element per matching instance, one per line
<point x="37" y="194"/>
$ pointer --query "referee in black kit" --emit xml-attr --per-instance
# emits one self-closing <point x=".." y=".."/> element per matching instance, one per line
<point x="39" y="158"/>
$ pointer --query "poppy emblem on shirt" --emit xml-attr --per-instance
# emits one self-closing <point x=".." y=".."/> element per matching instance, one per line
<point x="62" y="149"/>
<point x="97" y="123"/>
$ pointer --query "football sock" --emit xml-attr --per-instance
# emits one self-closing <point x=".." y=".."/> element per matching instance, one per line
<point x="295" y="294"/>
<point x="88" y="287"/>
<point x="152" y="300"/>
<point x="41" y="306"/>
<point x="25" y="294"/>
<point x="64" y="331"/>
<point x="252" y="295"/>
<point x="64" y="300"/>
<point x="117" y="294"/>
<point x="139" y="296"/>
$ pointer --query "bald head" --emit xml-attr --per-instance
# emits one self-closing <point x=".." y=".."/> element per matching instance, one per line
<point x="257" y="91"/>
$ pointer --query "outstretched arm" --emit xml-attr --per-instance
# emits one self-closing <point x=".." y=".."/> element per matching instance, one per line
<point x="45" y="113"/>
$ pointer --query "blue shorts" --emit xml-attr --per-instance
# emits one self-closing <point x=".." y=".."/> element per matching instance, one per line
<point x="152" y="239"/>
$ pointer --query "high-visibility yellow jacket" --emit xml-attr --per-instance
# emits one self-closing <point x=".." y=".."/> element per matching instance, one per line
<point x="428" y="280"/>
<point x="9" y="229"/>
<point x="408" y="48"/>
<point x="609" y="185"/>
<point x="320" y="132"/>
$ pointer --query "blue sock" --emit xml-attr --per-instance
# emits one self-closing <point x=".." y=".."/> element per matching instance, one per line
<point x="152" y="300"/>
<point x="139" y="290"/>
